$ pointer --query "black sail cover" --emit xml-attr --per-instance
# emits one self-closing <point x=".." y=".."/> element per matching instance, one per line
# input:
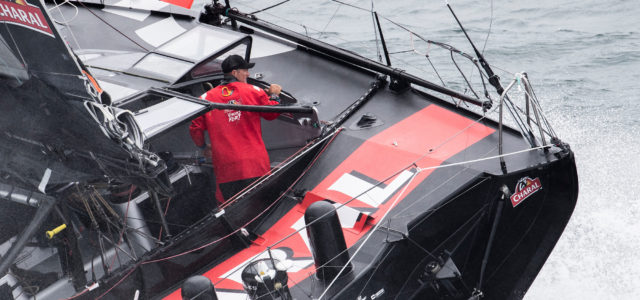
<point x="51" y="115"/>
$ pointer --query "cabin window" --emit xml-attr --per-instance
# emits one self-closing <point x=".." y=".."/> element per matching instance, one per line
<point x="162" y="66"/>
<point x="214" y="65"/>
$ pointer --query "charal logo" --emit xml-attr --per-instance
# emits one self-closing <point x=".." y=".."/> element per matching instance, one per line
<point x="524" y="189"/>
<point x="22" y="13"/>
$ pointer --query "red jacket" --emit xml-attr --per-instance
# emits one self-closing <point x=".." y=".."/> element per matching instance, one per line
<point x="237" y="149"/>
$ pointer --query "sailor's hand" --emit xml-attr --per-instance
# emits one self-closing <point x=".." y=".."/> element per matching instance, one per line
<point x="206" y="152"/>
<point x="274" y="89"/>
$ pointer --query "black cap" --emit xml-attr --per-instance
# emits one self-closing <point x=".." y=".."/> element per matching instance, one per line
<point x="234" y="62"/>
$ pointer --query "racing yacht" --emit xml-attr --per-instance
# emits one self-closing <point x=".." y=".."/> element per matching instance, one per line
<point x="383" y="184"/>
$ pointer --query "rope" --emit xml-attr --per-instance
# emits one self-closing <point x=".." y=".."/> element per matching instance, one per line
<point x="485" y="158"/>
<point x="488" y="31"/>
<point x="24" y="62"/>
<point x="124" y="224"/>
<point x="230" y="234"/>
<point x="330" y="20"/>
<point x="400" y="214"/>
<point x="166" y="209"/>
<point x="65" y="21"/>
<point x="4" y="62"/>
<point x="249" y="222"/>
<point x="373" y="230"/>
<point x="283" y="164"/>
<point x="353" y="6"/>
<point x="378" y="224"/>
<point x="269" y="7"/>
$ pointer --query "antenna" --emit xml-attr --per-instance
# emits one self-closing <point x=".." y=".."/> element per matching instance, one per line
<point x="494" y="80"/>
<point x="384" y="44"/>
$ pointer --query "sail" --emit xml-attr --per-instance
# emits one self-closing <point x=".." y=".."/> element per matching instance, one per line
<point x="51" y="111"/>
<point x="184" y="3"/>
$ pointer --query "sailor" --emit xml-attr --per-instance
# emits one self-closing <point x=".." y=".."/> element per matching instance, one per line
<point x="239" y="155"/>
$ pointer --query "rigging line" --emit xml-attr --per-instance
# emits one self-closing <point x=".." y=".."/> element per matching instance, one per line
<point x="108" y="24"/>
<point x="400" y="52"/>
<point x="412" y="33"/>
<point x="284" y="19"/>
<point x="270" y="7"/>
<point x="305" y="27"/>
<point x="166" y="209"/>
<point x="268" y="290"/>
<point x="522" y="237"/>
<point x="250" y="221"/>
<point x="432" y="150"/>
<point x="294" y="183"/>
<point x="502" y="69"/>
<point x="295" y="284"/>
<point x="474" y="229"/>
<point x="76" y="210"/>
<point x="115" y="251"/>
<point x="66" y="22"/>
<point x="416" y="269"/>
<point x="138" y="230"/>
<point x="370" y="234"/>
<point x="119" y="281"/>
<point x="525" y="130"/>
<point x="353" y="6"/>
<point x="534" y="121"/>
<point x="375" y="270"/>
<point x="279" y="167"/>
<point x="463" y="77"/>
<point x="534" y="98"/>
<point x="24" y="62"/>
<point x="399" y="213"/>
<point x="316" y="157"/>
<point x="457" y="103"/>
<point x="485" y="158"/>
<point x="384" y="180"/>
<point x="124" y="223"/>
<point x="479" y="214"/>
<point x="330" y="20"/>
<point x="434" y="209"/>
<point x="4" y="62"/>
<point x="489" y="31"/>
<point x="393" y="22"/>
<point x="288" y="236"/>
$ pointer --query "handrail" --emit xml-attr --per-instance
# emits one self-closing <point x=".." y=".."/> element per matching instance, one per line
<point x="531" y="103"/>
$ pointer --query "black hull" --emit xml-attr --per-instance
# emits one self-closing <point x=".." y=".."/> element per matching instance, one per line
<point x="457" y="228"/>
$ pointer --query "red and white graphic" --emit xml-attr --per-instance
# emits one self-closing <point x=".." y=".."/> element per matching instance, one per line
<point x="22" y="13"/>
<point x="524" y="189"/>
<point x="400" y="145"/>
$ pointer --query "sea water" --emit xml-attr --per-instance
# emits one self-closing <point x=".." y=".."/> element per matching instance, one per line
<point x="583" y="58"/>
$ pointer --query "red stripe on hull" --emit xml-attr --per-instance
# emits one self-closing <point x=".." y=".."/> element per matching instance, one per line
<point x="383" y="155"/>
